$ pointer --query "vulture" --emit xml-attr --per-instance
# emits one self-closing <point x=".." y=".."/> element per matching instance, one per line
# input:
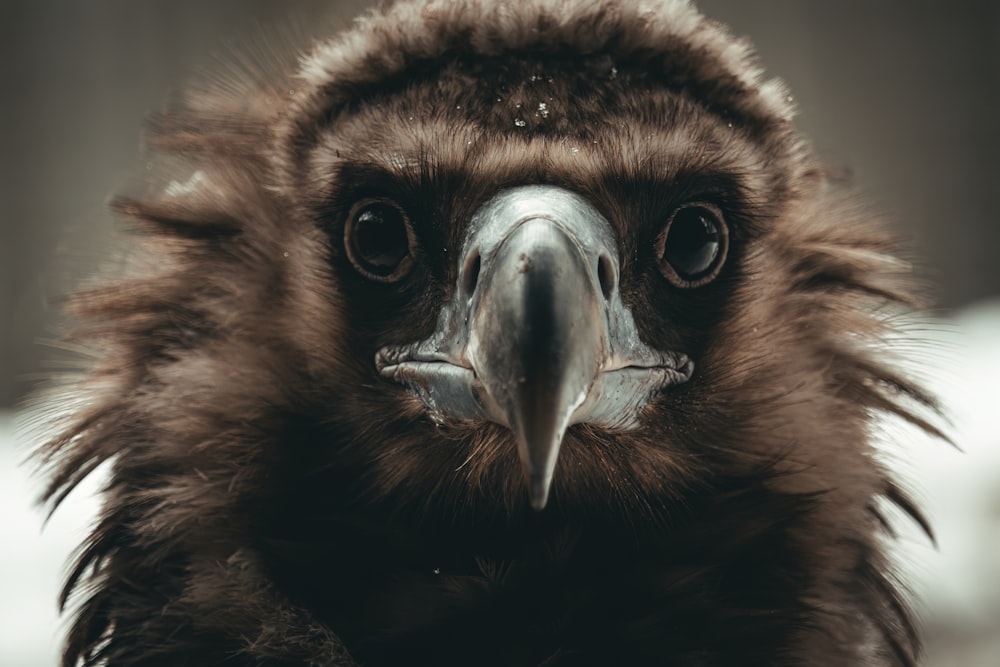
<point x="507" y="334"/>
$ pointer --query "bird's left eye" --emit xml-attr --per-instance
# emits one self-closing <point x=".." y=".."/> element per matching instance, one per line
<point x="379" y="240"/>
<point x="692" y="247"/>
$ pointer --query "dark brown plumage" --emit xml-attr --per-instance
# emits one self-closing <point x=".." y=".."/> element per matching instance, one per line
<point x="275" y="499"/>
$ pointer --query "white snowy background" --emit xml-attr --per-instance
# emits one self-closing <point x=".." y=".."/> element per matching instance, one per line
<point x="957" y="585"/>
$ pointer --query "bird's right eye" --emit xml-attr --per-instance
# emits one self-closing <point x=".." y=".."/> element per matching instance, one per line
<point x="379" y="240"/>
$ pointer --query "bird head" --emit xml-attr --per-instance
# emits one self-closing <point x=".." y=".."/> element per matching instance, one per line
<point x="564" y="250"/>
<point x="473" y="258"/>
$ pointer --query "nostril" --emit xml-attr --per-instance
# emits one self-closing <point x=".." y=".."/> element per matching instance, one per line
<point x="606" y="275"/>
<point x="470" y="272"/>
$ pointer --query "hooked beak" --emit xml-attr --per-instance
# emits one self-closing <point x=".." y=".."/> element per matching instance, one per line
<point x="537" y="340"/>
<point x="537" y="337"/>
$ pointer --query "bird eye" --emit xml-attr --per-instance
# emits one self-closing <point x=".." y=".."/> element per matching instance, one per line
<point x="379" y="241"/>
<point x="692" y="247"/>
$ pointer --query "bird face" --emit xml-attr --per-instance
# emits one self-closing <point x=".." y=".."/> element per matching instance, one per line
<point x="535" y="336"/>
<point x="535" y="263"/>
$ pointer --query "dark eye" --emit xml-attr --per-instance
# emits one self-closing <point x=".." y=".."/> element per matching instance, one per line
<point x="379" y="241"/>
<point x="692" y="247"/>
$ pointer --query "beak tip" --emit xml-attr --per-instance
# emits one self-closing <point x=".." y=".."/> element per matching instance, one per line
<point x="540" y="492"/>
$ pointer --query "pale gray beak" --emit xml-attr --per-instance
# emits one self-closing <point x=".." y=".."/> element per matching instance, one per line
<point x="536" y="337"/>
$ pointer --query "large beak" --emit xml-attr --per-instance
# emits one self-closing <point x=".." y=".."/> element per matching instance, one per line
<point x="536" y="337"/>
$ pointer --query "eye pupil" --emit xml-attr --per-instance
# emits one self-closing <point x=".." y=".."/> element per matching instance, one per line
<point x="693" y="246"/>
<point x="380" y="237"/>
<point x="378" y="241"/>
<point x="692" y="243"/>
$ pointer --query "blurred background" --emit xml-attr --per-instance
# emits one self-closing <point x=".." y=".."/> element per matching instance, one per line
<point x="902" y="93"/>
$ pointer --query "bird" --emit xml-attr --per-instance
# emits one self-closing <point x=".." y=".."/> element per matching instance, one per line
<point x="530" y="333"/>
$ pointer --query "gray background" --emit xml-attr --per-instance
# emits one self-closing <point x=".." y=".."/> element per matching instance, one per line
<point x="903" y="93"/>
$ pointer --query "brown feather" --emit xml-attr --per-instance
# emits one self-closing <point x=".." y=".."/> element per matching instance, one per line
<point x="272" y="501"/>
